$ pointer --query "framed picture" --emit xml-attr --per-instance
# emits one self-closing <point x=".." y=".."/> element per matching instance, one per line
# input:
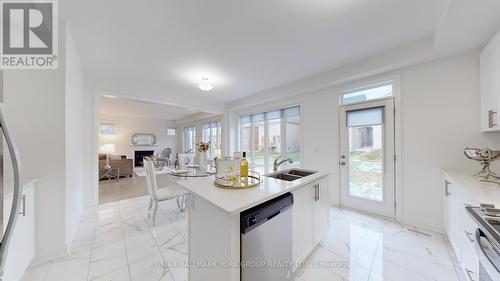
<point x="143" y="139"/>
<point x="108" y="127"/>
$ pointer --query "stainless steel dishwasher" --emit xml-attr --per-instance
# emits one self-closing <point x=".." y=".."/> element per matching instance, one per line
<point x="266" y="241"/>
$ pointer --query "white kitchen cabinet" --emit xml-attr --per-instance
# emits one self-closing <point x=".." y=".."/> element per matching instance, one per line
<point x="303" y="216"/>
<point x="453" y="213"/>
<point x="469" y="259"/>
<point x="310" y="218"/>
<point x="460" y="227"/>
<point x="22" y="248"/>
<point x="321" y="211"/>
<point x="490" y="85"/>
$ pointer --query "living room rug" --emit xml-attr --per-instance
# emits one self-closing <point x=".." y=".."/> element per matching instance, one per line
<point x="140" y="172"/>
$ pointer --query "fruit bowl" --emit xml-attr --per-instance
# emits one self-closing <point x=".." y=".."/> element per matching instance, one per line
<point x="485" y="156"/>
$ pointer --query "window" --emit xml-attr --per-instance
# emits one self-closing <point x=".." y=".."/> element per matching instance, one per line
<point x="212" y="132"/>
<point x="265" y="136"/>
<point x="189" y="139"/>
<point x="108" y="127"/>
<point x="171" y="131"/>
<point x="367" y="94"/>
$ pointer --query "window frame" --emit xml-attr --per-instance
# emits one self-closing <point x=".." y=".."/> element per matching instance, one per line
<point x="218" y="137"/>
<point x="283" y="143"/>
<point x="184" y="142"/>
<point x="368" y="87"/>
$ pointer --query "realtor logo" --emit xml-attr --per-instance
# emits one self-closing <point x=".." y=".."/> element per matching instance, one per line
<point x="29" y="34"/>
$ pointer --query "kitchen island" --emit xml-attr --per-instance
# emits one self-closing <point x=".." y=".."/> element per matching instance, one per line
<point x="214" y="221"/>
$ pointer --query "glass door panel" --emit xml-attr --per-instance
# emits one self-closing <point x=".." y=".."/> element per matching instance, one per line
<point x="367" y="153"/>
<point x="366" y="162"/>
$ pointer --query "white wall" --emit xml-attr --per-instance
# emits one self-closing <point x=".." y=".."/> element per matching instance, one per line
<point x="34" y="108"/>
<point x="440" y="117"/>
<point x="46" y="112"/>
<point x="78" y="140"/>
<point x="128" y="126"/>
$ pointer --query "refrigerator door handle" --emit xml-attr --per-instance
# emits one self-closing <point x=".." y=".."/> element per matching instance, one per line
<point x="14" y="214"/>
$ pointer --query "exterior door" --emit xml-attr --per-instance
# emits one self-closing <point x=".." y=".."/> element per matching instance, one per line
<point x="367" y="157"/>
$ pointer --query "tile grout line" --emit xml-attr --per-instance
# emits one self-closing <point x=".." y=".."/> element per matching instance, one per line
<point x="93" y="242"/>
<point x="156" y="242"/>
<point x="124" y="243"/>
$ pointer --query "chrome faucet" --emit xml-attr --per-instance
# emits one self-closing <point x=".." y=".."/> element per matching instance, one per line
<point x="277" y="164"/>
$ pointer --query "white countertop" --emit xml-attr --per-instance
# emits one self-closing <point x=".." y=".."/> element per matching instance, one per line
<point x="8" y="186"/>
<point x="235" y="201"/>
<point x="484" y="193"/>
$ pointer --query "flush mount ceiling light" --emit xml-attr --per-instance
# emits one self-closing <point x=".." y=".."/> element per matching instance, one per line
<point x="109" y="96"/>
<point x="205" y="85"/>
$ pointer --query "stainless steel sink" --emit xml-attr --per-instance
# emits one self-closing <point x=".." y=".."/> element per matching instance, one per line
<point x="300" y="173"/>
<point x="284" y="177"/>
<point x="291" y="175"/>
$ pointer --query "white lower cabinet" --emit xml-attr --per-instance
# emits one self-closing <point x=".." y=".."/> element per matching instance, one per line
<point x="22" y="249"/>
<point x="321" y="211"/>
<point x="460" y="228"/>
<point x="453" y="215"/>
<point x="310" y="218"/>
<point x="303" y="209"/>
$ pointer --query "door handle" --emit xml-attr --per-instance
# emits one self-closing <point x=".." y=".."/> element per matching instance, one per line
<point x="446" y="188"/>
<point x="342" y="163"/>
<point x="492" y="116"/>
<point x="469" y="274"/>
<point x="23" y="210"/>
<point x="469" y="236"/>
<point x="316" y="193"/>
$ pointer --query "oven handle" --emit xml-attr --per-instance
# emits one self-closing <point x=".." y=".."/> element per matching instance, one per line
<point x="484" y="260"/>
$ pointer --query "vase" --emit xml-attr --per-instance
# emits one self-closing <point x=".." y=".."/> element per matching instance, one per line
<point x="203" y="160"/>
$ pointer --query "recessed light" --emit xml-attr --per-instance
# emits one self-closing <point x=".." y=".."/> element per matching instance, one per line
<point x="109" y="96"/>
<point x="205" y="85"/>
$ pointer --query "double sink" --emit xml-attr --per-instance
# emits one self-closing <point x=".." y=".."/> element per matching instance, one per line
<point x="291" y="174"/>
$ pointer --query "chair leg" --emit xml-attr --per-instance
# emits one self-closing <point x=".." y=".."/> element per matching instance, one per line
<point x="150" y="206"/>
<point x="154" y="212"/>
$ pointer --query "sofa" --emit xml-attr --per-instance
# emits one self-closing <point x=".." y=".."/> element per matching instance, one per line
<point x="117" y="161"/>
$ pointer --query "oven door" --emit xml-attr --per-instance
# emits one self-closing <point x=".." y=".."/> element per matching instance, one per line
<point x="489" y="257"/>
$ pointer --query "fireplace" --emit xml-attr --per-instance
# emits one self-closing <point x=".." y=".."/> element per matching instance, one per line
<point x="139" y="154"/>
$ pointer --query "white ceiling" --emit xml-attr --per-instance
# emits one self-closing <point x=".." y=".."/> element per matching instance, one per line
<point x="245" y="47"/>
<point x="130" y="108"/>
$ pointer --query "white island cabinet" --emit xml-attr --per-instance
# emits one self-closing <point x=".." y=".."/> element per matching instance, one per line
<point x="214" y="221"/>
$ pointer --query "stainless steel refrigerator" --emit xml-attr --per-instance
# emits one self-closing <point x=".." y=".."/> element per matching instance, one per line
<point x="7" y="226"/>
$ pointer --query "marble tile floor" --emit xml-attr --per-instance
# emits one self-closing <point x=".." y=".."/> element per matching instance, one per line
<point x="116" y="242"/>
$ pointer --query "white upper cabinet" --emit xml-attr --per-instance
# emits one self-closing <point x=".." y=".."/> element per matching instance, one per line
<point x="490" y="85"/>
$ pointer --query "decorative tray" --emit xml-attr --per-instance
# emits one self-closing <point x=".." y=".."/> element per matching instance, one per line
<point x="236" y="183"/>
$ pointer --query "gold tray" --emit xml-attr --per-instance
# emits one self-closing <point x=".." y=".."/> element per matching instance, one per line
<point x="224" y="183"/>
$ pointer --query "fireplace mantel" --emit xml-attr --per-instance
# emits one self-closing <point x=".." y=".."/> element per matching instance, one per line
<point x="134" y="148"/>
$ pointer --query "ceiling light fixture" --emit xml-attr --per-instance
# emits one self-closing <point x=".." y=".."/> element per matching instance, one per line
<point x="205" y="85"/>
<point x="109" y="96"/>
